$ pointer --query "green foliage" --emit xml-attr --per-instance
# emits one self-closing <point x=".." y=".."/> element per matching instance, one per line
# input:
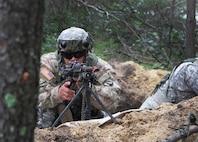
<point x="108" y="50"/>
<point x="49" y="43"/>
<point x="10" y="100"/>
<point x="104" y="49"/>
<point x="153" y="66"/>
<point x="23" y="131"/>
<point x="143" y="25"/>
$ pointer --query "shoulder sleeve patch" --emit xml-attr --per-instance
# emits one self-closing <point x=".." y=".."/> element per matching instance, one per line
<point x="47" y="73"/>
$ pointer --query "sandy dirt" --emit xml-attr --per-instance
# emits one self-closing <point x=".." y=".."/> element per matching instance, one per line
<point x="137" y="126"/>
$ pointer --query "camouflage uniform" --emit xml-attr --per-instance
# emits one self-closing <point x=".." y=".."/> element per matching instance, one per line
<point x="107" y="87"/>
<point x="181" y="85"/>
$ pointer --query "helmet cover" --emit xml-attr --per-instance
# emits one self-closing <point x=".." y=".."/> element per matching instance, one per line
<point x="74" y="39"/>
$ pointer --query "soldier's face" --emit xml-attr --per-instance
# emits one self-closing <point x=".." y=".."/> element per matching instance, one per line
<point x="74" y="59"/>
<point x="78" y="56"/>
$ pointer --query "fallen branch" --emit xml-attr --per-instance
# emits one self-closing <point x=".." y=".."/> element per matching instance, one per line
<point x="183" y="133"/>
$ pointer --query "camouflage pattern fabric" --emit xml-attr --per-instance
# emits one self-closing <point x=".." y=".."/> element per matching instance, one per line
<point x="75" y="39"/>
<point x="46" y="119"/>
<point x="182" y="85"/>
<point x="107" y="88"/>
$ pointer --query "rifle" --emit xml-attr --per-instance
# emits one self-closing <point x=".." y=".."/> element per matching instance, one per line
<point x="80" y="72"/>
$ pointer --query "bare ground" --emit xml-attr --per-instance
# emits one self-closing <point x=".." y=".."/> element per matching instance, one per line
<point x="136" y="126"/>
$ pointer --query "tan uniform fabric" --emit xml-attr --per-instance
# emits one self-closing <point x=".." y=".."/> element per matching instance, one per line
<point x="108" y="88"/>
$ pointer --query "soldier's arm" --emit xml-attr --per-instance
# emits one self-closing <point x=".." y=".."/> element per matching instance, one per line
<point x="108" y="88"/>
<point x="48" y="90"/>
<point x="48" y="94"/>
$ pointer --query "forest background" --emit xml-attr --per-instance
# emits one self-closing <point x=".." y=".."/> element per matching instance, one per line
<point x="154" y="33"/>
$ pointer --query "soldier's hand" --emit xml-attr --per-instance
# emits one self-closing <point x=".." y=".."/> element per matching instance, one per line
<point x="65" y="93"/>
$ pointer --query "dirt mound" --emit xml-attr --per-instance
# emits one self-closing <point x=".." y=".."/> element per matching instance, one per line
<point x="136" y="126"/>
<point x="166" y="121"/>
<point x="137" y="82"/>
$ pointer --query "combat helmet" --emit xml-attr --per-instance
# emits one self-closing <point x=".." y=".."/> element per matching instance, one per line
<point x="74" y="39"/>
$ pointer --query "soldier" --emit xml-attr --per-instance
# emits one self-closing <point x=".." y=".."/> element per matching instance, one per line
<point x="74" y="45"/>
<point x="182" y="84"/>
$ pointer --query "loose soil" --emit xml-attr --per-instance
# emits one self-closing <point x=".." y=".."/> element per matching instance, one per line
<point x="156" y="125"/>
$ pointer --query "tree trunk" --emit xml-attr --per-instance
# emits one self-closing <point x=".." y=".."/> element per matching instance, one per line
<point x="20" y="42"/>
<point x="190" y="50"/>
